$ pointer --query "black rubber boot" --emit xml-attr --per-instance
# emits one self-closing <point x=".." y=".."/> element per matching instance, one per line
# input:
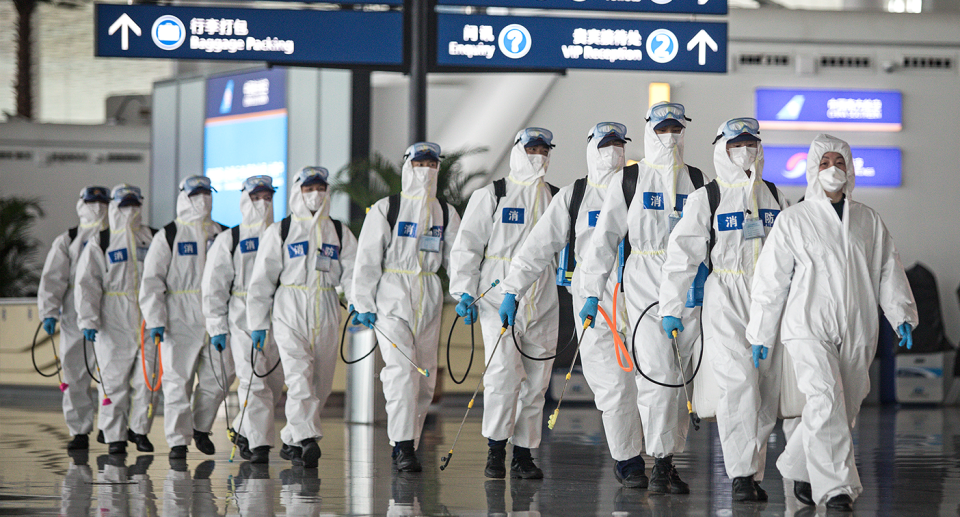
<point x="309" y="455"/>
<point x="496" y="459"/>
<point x="630" y="473"/>
<point x="523" y="466"/>
<point x="664" y="478"/>
<point x="261" y="455"/>
<point x="761" y="493"/>
<point x="118" y="447"/>
<point x="80" y="442"/>
<point x="744" y="489"/>
<point x="203" y="443"/>
<point x="677" y="485"/>
<point x="243" y="446"/>
<point x="407" y="457"/>
<point x="804" y="492"/>
<point x="840" y="503"/>
<point x="289" y="452"/>
<point x="178" y="452"/>
<point x="140" y="440"/>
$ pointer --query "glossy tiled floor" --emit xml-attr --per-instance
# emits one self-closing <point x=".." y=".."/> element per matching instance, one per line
<point x="909" y="462"/>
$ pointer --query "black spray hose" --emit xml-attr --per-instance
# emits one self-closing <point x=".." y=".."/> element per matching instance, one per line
<point x="253" y="365"/>
<point x="33" y="354"/>
<point x="473" y="348"/>
<point x="573" y="338"/>
<point x="637" y="363"/>
<point x="343" y="337"/>
<point x="86" y="362"/>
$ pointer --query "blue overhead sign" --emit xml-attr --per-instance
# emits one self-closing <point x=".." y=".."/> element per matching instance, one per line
<point x="635" y="6"/>
<point x="532" y="43"/>
<point x="332" y="38"/>
<point x="829" y="110"/>
<point x="874" y="166"/>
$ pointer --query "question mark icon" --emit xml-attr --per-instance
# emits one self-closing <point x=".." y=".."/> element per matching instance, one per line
<point x="515" y="37"/>
<point x="514" y="41"/>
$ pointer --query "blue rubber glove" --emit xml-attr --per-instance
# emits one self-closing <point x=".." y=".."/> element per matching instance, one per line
<point x="671" y="323"/>
<point x="259" y="337"/>
<point x="90" y="335"/>
<point x="156" y="331"/>
<point x="219" y="342"/>
<point x="367" y="319"/>
<point x="590" y="309"/>
<point x="759" y="352"/>
<point x="508" y="309"/>
<point x="906" y="335"/>
<point x="50" y="325"/>
<point x="356" y="315"/>
<point x="465" y="311"/>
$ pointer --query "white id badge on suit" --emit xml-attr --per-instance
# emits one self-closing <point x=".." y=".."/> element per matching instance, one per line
<point x="752" y="227"/>
<point x="674" y="219"/>
<point x="430" y="243"/>
<point x="323" y="262"/>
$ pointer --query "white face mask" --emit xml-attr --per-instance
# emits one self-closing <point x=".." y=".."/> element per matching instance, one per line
<point x="91" y="212"/>
<point x="128" y="213"/>
<point x="832" y="179"/>
<point x="611" y="157"/>
<point x="425" y="174"/>
<point x="743" y="157"/>
<point x="313" y="200"/>
<point x="539" y="162"/>
<point x="670" y="140"/>
<point x="261" y="206"/>
<point x="202" y="203"/>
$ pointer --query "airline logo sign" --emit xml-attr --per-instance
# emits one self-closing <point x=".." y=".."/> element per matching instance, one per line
<point x="635" y="6"/>
<point x="559" y="43"/>
<point x="874" y="166"/>
<point x="829" y="110"/>
<point x="275" y="35"/>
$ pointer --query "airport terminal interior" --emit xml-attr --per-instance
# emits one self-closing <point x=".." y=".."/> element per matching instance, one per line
<point x="151" y="94"/>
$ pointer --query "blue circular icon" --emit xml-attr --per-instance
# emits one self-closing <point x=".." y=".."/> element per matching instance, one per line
<point x="514" y="41"/>
<point x="662" y="46"/>
<point x="168" y="32"/>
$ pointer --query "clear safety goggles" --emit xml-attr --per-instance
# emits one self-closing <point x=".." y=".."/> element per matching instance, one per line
<point x="127" y="193"/>
<point x="738" y="126"/>
<point x="255" y="184"/>
<point x="312" y="175"/>
<point x="423" y="151"/>
<point x="193" y="184"/>
<point x="532" y="136"/>
<point x="98" y="194"/>
<point x="605" y="129"/>
<point x="667" y="110"/>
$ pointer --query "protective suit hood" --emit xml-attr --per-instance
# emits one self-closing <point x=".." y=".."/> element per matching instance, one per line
<point x="597" y="171"/>
<point x="821" y="145"/>
<point x="664" y="159"/>
<point x="298" y="206"/>
<point x="187" y="212"/>
<point x="250" y="216"/>
<point x="126" y="217"/>
<point x="93" y="214"/>
<point x="416" y="185"/>
<point x="522" y="169"/>
<point x="729" y="172"/>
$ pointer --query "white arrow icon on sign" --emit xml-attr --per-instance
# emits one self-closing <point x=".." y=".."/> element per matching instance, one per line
<point x="703" y="40"/>
<point x="702" y="2"/>
<point x="125" y="24"/>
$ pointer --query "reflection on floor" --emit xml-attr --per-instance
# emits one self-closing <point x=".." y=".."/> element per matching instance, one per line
<point x="909" y="462"/>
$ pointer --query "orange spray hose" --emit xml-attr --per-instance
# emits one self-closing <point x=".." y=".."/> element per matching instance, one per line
<point x="622" y="352"/>
<point x="143" y="361"/>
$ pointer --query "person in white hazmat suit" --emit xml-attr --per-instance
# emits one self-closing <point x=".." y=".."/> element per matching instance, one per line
<point x="396" y="288"/>
<point x="492" y="230"/>
<point x="662" y="185"/>
<point x="226" y="278"/>
<point x="55" y="301"/>
<point x="748" y="397"/>
<point x="296" y="275"/>
<point x="170" y="300"/>
<point x="825" y="267"/>
<point x="615" y="390"/>
<point x="108" y="279"/>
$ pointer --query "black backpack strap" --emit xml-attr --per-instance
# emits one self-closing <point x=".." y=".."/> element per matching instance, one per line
<point x="285" y="228"/>
<point x="696" y="176"/>
<point x="72" y="233"/>
<point x="235" y="233"/>
<point x="773" y="190"/>
<point x="576" y="199"/>
<point x="629" y="184"/>
<point x="338" y="227"/>
<point x="104" y="240"/>
<point x="393" y="210"/>
<point x="553" y="189"/>
<point x="713" y="197"/>
<point x="445" y="208"/>
<point x="500" y="189"/>
<point x="171" y="232"/>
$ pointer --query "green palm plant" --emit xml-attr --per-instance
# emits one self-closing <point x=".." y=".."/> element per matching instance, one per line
<point x="19" y="275"/>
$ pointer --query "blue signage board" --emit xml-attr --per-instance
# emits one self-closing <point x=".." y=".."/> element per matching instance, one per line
<point x="305" y="37"/>
<point x="829" y="110"/>
<point x="634" y="6"/>
<point x="541" y="43"/>
<point x="245" y="134"/>
<point x="874" y="166"/>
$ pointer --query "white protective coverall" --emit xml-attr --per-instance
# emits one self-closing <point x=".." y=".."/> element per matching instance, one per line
<point x="55" y="299"/>
<point x="399" y="283"/>
<point x="106" y="298"/>
<point x="615" y="391"/>
<point x="226" y="278"/>
<point x="306" y="307"/>
<point x="748" y="397"/>
<point x="826" y="277"/>
<point x="170" y="298"/>
<point x="489" y="236"/>
<point x="663" y="184"/>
